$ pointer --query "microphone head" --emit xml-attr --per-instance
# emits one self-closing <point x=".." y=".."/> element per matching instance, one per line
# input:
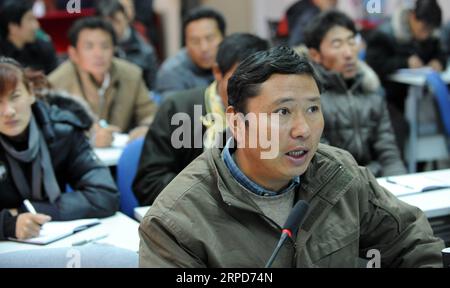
<point x="296" y="217"/>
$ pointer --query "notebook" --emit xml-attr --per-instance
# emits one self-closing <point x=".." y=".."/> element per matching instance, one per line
<point x="55" y="230"/>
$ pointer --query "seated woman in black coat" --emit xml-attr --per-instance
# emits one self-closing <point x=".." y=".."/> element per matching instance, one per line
<point x="44" y="148"/>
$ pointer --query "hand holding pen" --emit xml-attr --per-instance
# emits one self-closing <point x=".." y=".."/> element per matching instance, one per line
<point x="103" y="134"/>
<point x="29" y="224"/>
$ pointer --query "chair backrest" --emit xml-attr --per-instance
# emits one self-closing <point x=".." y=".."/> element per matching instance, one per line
<point x="442" y="96"/>
<point x="126" y="171"/>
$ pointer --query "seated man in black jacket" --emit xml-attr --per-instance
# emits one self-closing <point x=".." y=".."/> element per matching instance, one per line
<point x="130" y="45"/>
<point x="43" y="148"/>
<point x="18" y="28"/>
<point x="356" y="117"/>
<point x="406" y="41"/>
<point x="162" y="159"/>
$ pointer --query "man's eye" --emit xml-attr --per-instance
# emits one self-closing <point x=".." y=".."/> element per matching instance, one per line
<point x="282" y="111"/>
<point x="313" y="109"/>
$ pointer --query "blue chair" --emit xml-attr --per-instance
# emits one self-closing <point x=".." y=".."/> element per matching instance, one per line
<point x="126" y="171"/>
<point x="442" y="96"/>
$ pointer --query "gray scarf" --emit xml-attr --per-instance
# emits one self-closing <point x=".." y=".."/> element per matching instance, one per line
<point x="37" y="154"/>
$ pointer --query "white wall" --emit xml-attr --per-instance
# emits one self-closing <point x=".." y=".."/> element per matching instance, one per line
<point x="171" y="22"/>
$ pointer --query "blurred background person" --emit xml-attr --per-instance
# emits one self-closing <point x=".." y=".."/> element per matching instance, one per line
<point x="44" y="148"/>
<point x="18" y="28"/>
<point x="191" y="67"/>
<point x="130" y="44"/>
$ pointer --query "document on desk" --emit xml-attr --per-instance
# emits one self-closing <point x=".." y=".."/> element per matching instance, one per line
<point x="120" y="140"/>
<point x="411" y="184"/>
<point x="55" y="230"/>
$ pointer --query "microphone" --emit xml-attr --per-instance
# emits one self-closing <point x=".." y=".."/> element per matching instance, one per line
<point x="293" y="222"/>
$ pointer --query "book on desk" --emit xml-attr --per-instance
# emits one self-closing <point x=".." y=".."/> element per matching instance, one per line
<point x="56" y="230"/>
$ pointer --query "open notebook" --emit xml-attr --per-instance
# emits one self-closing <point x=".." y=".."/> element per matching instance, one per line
<point x="55" y="230"/>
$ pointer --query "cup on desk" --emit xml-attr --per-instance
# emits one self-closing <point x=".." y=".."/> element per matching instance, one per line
<point x="446" y="257"/>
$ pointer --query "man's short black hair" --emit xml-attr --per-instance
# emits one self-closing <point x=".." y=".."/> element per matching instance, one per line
<point x="90" y="23"/>
<point x="259" y="67"/>
<point x="109" y="8"/>
<point x="320" y="25"/>
<point x="237" y="47"/>
<point x="202" y="13"/>
<point x="429" y="12"/>
<point x="12" y="11"/>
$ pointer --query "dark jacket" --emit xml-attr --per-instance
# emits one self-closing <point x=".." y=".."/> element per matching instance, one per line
<point x="204" y="218"/>
<point x="160" y="162"/>
<point x="139" y="52"/>
<point x="389" y="48"/>
<point x="180" y="73"/>
<point x="299" y="15"/>
<point x="39" y="55"/>
<point x="63" y="122"/>
<point x="357" y="120"/>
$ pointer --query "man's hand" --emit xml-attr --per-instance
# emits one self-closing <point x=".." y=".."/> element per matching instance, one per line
<point x="103" y="137"/>
<point x="28" y="225"/>
<point x="137" y="132"/>
<point x="436" y="65"/>
<point x="414" y="62"/>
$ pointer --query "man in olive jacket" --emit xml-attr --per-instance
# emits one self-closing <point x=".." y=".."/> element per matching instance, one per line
<point x="227" y="208"/>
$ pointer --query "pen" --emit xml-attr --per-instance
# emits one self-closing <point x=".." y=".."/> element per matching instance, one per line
<point x="86" y="241"/>
<point x="432" y="188"/>
<point x="389" y="180"/>
<point x="29" y="207"/>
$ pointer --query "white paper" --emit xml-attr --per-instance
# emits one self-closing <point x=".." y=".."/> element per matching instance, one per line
<point x="56" y="230"/>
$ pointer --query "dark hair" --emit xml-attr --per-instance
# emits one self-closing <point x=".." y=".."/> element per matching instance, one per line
<point x="11" y="70"/>
<point x="90" y="23"/>
<point x="319" y="26"/>
<point x="108" y="8"/>
<point x="12" y="11"/>
<point x="257" y="68"/>
<point x="236" y="48"/>
<point x="202" y="13"/>
<point x="429" y="12"/>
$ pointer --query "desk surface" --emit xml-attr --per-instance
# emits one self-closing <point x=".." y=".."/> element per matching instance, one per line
<point x="139" y="212"/>
<point x="122" y="232"/>
<point x="416" y="79"/>
<point x="432" y="203"/>
<point x="109" y="156"/>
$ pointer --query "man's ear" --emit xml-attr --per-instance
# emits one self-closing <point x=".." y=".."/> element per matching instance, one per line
<point x="216" y="72"/>
<point x="315" y="55"/>
<point x="73" y="54"/>
<point x="12" y="28"/>
<point x="236" y="124"/>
